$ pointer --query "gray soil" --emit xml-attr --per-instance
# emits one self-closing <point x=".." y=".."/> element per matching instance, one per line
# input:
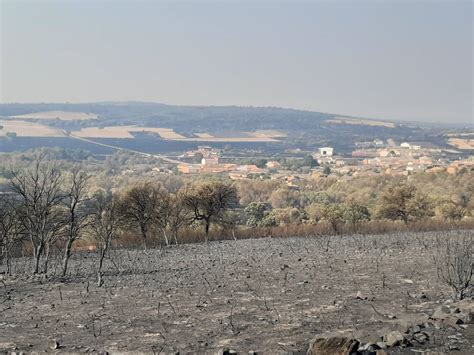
<point x="266" y="295"/>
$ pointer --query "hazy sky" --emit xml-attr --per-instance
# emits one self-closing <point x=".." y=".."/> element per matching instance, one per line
<point x="388" y="59"/>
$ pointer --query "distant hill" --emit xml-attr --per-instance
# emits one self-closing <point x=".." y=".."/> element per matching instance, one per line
<point x="303" y="129"/>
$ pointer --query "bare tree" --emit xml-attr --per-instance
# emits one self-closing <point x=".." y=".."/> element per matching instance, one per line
<point x="209" y="201"/>
<point x="75" y="198"/>
<point x="142" y="206"/>
<point x="10" y="228"/>
<point x="104" y="225"/>
<point x="455" y="263"/>
<point x="178" y="214"/>
<point x="39" y="193"/>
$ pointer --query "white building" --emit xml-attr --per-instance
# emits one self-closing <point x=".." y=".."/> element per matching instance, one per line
<point x="326" y="151"/>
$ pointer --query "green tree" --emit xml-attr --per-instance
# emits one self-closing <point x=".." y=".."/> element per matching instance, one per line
<point x="256" y="213"/>
<point x="355" y="213"/>
<point x="402" y="202"/>
<point x="310" y="161"/>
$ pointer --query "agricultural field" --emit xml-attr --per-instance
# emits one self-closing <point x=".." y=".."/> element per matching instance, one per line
<point x="462" y="143"/>
<point x="123" y="132"/>
<point x="57" y="115"/>
<point x="266" y="295"/>
<point x="355" y="121"/>
<point x="61" y="115"/>
<point x="28" y="129"/>
<point x="169" y="134"/>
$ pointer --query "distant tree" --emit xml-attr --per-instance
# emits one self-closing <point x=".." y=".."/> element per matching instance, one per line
<point x="197" y="158"/>
<point x="310" y="161"/>
<point x="355" y="213"/>
<point x="288" y="216"/>
<point x="333" y="213"/>
<point x="141" y="207"/>
<point x="451" y="211"/>
<point x="104" y="225"/>
<point x="402" y="201"/>
<point x="327" y="170"/>
<point x="76" y="214"/>
<point x="230" y="221"/>
<point x="178" y="215"/>
<point x="256" y="213"/>
<point x="38" y="190"/>
<point x="420" y="206"/>
<point x="208" y="202"/>
<point x="261" y="163"/>
<point x="284" y="197"/>
<point x="315" y="212"/>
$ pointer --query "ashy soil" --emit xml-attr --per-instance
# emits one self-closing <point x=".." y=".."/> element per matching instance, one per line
<point x="267" y="295"/>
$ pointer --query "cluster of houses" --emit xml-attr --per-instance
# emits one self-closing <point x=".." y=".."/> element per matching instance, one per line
<point x="368" y="159"/>
<point x="210" y="164"/>
<point x="371" y="158"/>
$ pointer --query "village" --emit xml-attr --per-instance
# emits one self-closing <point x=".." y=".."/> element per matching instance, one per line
<point x="367" y="159"/>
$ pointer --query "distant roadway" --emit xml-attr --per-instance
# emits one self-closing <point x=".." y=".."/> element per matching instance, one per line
<point x="148" y="155"/>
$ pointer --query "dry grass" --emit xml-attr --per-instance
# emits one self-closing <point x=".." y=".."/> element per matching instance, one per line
<point x="28" y="129"/>
<point x="230" y="139"/>
<point x="124" y="132"/>
<point x="460" y="143"/>
<point x="269" y="133"/>
<point x="204" y="135"/>
<point x="165" y="133"/>
<point x="356" y="121"/>
<point x="62" y="115"/>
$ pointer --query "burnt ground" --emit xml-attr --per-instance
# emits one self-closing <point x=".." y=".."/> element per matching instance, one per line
<point x="266" y="295"/>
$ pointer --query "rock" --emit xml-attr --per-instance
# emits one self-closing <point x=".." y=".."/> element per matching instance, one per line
<point x="333" y="346"/>
<point x="414" y="329"/>
<point x="369" y="347"/>
<point x="382" y="344"/>
<point x="251" y="352"/>
<point x="420" y="337"/>
<point x="223" y="351"/>
<point x="381" y="352"/>
<point x="53" y="344"/>
<point x="469" y="317"/>
<point x="441" y="313"/>
<point x="452" y="321"/>
<point x="420" y="296"/>
<point x="394" y="338"/>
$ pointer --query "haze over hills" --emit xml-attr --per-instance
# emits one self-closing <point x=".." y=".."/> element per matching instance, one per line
<point x="178" y="128"/>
